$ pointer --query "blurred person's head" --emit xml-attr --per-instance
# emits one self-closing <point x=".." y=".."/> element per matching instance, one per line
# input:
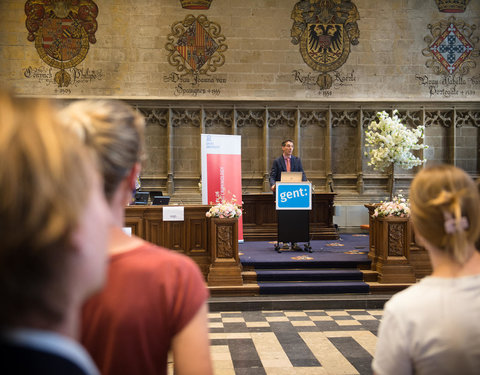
<point x="445" y="210"/>
<point x="115" y="132"/>
<point x="54" y="221"/>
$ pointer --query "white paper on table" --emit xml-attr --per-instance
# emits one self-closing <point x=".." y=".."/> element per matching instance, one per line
<point x="173" y="213"/>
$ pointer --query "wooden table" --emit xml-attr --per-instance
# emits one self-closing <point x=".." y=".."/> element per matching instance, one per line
<point x="260" y="217"/>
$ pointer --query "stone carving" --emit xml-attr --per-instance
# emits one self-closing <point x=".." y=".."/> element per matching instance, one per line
<point x="308" y="118"/>
<point x="186" y="117"/>
<point x="250" y="118"/>
<point x="368" y="117"/>
<point x="467" y="118"/>
<point x="411" y="118"/>
<point x="440" y="118"/>
<point x="281" y="118"/>
<point x="345" y="142"/>
<point x="218" y="117"/>
<point x="349" y="118"/>
<point x="155" y="116"/>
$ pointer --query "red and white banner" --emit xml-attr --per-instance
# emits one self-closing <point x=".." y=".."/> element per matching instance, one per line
<point x="222" y="170"/>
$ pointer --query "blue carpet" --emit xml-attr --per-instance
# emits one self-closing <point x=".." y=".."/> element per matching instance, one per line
<point x="348" y="251"/>
<point x="331" y="267"/>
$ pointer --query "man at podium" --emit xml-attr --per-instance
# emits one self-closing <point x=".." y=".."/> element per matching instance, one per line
<point x="286" y="168"/>
<point x="285" y="163"/>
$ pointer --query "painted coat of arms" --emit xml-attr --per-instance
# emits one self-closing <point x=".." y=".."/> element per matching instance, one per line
<point x="324" y="29"/>
<point x="196" y="46"/>
<point x="62" y="31"/>
<point x="451" y="47"/>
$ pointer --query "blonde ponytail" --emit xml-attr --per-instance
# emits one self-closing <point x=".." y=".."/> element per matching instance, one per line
<point x="445" y="206"/>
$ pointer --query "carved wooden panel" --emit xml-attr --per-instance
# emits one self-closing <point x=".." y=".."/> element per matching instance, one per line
<point x="175" y="235"/>
<point x="188" y="236"/>
<point x="397" y="239"/>
<point x="260" y="217"/>
<point x="197" y="236"/>
<point x="135" y="222"/>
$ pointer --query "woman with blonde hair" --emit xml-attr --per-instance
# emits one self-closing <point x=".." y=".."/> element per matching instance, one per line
<point x="54" y="231"/>
<point x="432" y="327"/>
<point x="154" y="299"/>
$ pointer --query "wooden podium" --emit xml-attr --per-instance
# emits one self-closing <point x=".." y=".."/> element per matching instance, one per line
<point x="293" y="205"/>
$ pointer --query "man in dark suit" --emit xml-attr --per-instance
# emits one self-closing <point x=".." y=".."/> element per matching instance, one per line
<point x="285" y="163"/>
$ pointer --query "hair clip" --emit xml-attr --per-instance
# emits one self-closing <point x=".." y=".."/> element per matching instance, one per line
<point x="451" y="226"/>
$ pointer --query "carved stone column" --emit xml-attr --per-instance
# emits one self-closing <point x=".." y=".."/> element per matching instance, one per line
<point x="392" y="247"/>
<point x="225" y="268"/>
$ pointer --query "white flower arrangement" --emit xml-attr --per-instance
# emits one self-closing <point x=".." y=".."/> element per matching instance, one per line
<point x="399" y="207"/>
<point x="389" y="142"/>
<point x="224" y="209"/>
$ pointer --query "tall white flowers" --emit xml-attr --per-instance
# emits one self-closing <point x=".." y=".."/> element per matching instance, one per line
<point x="389" y="142"/>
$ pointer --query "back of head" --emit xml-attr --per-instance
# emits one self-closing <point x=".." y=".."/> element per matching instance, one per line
<point x="445" y="208"/>
<point x="44" y="182"/>
<point x="113" y="130"/>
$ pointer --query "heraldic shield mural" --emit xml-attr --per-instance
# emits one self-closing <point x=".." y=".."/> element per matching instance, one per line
<point x="62" y="31"/>
<point x="196" y="46"/>
<point x="451" y="47"/>
<point x="324" y="29"/>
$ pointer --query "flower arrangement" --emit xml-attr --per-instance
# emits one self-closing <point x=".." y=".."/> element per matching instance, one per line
<point x="390" y="143"/>
<point x="224" y="209"/>
<point x="398" y="206"/>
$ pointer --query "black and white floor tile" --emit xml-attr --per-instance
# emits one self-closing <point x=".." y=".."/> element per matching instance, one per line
<point x="294" y="342"/>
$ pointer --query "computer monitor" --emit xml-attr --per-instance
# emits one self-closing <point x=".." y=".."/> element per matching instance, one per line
<point x="160" y="200"/>
<point x="154" y="194"/>
<point x="141" y="197"/>
<point x="291" y="177"/>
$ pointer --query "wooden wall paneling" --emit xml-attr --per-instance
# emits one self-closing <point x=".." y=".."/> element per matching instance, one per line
<point x="196" y="236"/>
<point x="134" y="220"/>
<point x="260" y="217"/>
<point x="175" y="235"/>
<point x="189" y="236"/>
<point x="154" y="230"/>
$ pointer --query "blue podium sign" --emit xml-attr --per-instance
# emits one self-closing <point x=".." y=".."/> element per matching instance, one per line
<point x="294" y="196"/>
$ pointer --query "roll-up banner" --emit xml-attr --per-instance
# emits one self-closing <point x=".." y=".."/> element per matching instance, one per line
<point x="222" y="170"/>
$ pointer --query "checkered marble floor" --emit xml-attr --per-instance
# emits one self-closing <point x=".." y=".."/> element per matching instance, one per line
<point x="294" y="342"/>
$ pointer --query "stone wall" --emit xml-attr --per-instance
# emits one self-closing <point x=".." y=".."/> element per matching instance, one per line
<point x="261" y="87"/>
<point x="130" y="58"/>
<point x="329" y="137"/>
